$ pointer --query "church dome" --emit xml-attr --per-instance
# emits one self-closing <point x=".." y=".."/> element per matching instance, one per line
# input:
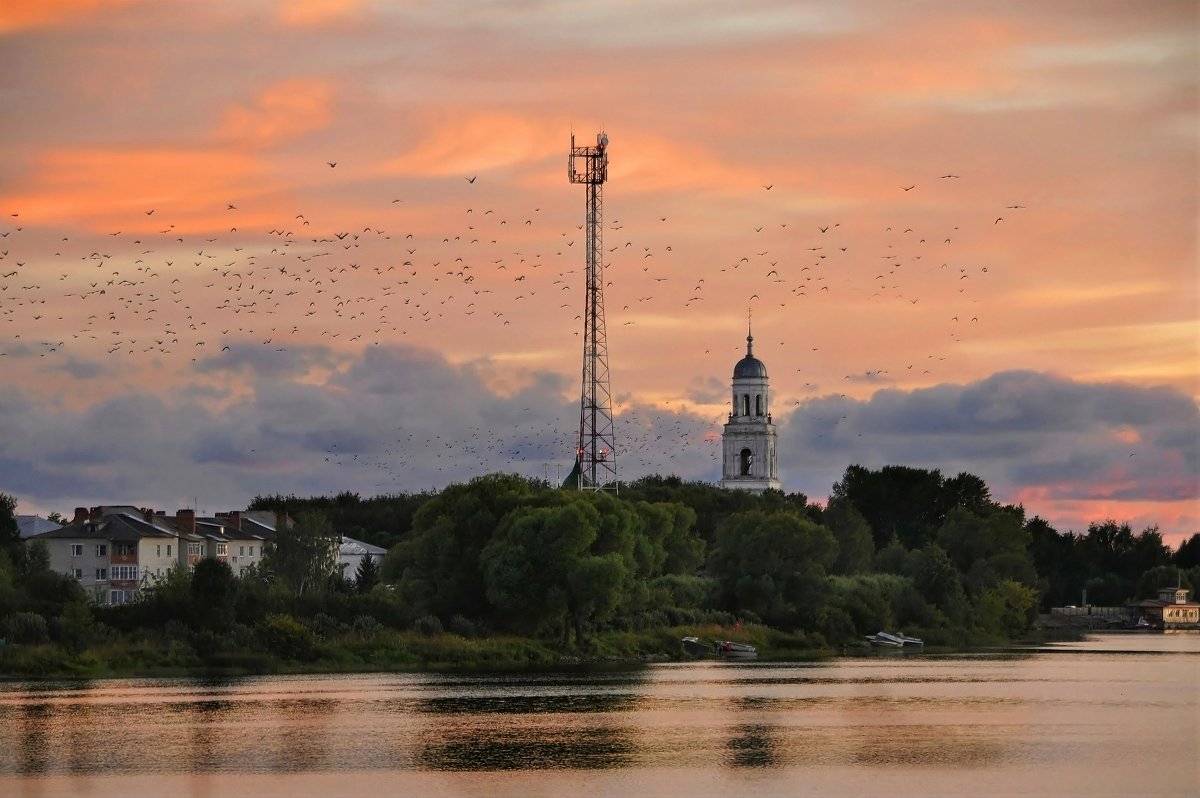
<point x="750" y="367"/>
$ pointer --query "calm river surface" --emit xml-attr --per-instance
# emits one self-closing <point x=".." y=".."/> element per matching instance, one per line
<point x="1116" y="715"/>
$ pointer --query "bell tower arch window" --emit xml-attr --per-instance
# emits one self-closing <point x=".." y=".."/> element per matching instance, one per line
<point x="746" y="461"/>
<point x="745" y="404"/>
<point x="758" y="408"/>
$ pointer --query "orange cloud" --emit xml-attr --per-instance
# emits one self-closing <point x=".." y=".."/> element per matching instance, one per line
<point x="1175" y="519"/>
<point x="309" y="13"/>
<point x="284" y="110"/>
<point x="18" y="15"/>
<point x="480" y="141"/>
<point x="103" y="188"/>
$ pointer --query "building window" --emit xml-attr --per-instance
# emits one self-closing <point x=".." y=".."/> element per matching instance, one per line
<point x="124" y="549"/>
<point x="119" y="596"/>
<point x="77" y="573"/>
<point x="251" y="551"/>
<point x="195" y="549"/>
<point x="241" y="551"/>
<point x="747" y="460"/>
<point x="124" y="573"/>
<point x="222" y="549"/>
<point x="101" y="574"/>
<point x="158" y="550"/>
<point x="76" y="549"/>
<point x="745" y="404"/>
<point x="758" y="408"/>
<point x="101" y="549"/>
<point x="168" y="549"/>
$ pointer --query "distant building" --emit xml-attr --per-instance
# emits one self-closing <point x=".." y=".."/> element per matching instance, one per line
<point x="1171" y="610"/>
<point x="352" y="552"/>
<point x="30" y="525"/>
<point x="115" y="551"/>
<point x="750" y="457"/>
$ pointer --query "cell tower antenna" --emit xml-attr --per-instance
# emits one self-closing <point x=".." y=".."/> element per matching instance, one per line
<point x="596" y="452"/>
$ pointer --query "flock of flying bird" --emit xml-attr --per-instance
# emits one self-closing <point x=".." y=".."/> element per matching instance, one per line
<point x="147" y="295"/>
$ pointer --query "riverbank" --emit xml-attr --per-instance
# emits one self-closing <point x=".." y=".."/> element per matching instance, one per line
<point x="382" y="651"/>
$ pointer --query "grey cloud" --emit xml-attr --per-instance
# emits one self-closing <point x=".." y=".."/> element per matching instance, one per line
<point x="1014" y="429"/>
<point x="400" y="419"/>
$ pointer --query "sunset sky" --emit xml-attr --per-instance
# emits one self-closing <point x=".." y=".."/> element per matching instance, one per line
<point x="307" y="246"/>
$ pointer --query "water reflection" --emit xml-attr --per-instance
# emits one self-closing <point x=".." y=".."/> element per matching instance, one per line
<point x="1081" y="715"/>
<point x="752" y="746"/>
<point x="547" y="723"/>
<point x="33" y="728"/>
<point x="526" y="744"/>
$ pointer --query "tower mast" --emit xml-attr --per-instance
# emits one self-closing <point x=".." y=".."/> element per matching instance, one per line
<point x="595" y="453"/>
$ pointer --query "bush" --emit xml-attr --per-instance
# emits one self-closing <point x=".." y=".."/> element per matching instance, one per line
<point x="463" y="626"/>
<point x="28" y="628"/>
<point x="366" y="626"/>
<point x="428" y="625"/>
<point x="326" y="627"/>
<point x="286" y="637"/>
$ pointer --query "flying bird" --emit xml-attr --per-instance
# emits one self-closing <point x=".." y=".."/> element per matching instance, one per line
<point x="471" y="179"/>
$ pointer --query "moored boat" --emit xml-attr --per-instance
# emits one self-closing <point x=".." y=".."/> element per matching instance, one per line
<point x="890" y="640"/>
<point x="727" y="649"/>
<point x="732" y="650"/>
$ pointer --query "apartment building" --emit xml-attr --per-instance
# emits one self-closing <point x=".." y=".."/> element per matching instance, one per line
<point x="114" y="551"/>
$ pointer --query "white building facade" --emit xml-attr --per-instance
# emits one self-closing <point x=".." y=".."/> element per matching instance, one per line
<point x="750" y="457"/>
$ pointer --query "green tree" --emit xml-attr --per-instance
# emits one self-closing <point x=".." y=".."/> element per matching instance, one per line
<point x="1061" y="569"/>
<point x="1159" y="577"/>
<point x="1007" y="607"/>
<point x="668" y="543"/>
<point x="938" y="581"/>
<point x="57" y="518"/>
<point x="367" y="574"/>
<point x="305" y="553"/>
<point x="897" y="501"/>
<point x="772" y="564"/>
<point x="439" y="566"/>
<point x="542" y="571"/>
<point x="10" y="533"/>
<point x="853" y="535"/>
<point x="213" y="595"/>
<point x="32" y="558"/>
<point x="1188" y="553"/>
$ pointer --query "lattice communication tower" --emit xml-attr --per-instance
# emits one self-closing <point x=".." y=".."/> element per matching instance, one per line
<point x="596" y="453"/>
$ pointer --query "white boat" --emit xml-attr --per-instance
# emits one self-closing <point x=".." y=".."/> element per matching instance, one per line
<point x="732" y="650"/>
<point x="721" y="648"/>
<point x="889" y="640"/>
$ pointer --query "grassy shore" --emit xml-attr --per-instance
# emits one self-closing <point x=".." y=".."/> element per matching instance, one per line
<point x="383" y="651"/>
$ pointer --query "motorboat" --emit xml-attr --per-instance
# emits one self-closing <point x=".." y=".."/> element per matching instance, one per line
<point x="732" y="650"/>
<point x="726" y="649"/>
<point x="897" y="640"/>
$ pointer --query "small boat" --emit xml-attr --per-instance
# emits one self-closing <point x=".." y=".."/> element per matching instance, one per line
<point x="890" y="640"/>
<point x="727" y="649"/>
<point x="732" y="650"/>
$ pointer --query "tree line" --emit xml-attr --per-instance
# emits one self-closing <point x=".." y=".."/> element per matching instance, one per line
<point x="895" y="548"/>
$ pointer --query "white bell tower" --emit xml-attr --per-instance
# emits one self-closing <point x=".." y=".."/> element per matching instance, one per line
<point x="750" y="458"/>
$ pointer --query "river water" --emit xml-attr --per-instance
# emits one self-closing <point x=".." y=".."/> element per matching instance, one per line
<point x="1116" y="715"/>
